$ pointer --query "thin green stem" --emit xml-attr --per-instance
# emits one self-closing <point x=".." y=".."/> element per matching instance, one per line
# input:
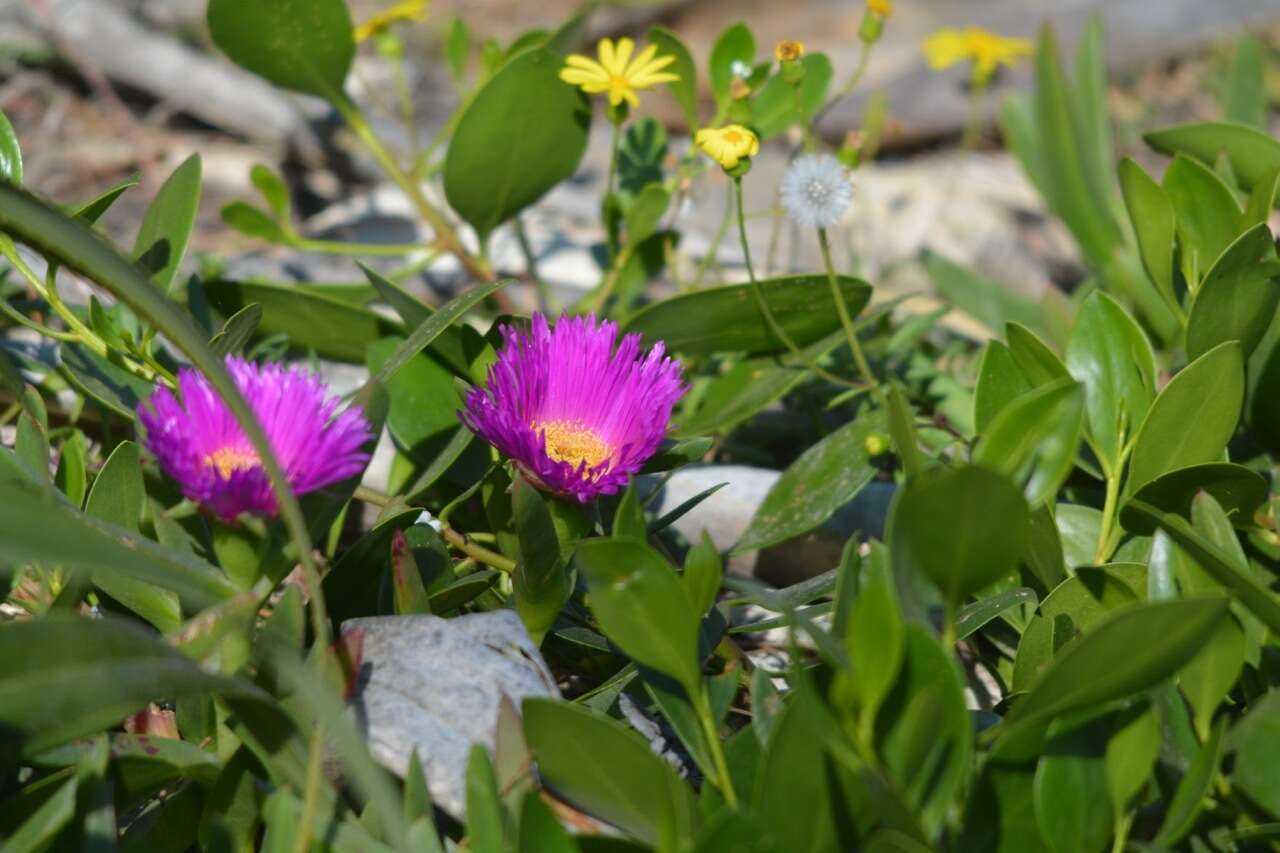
<point x="1121" y="838"/>
<point x="445" y="233"/>
<point x="702" y="707"/>
<point x="531" y="265"/>
<point x="1103" y="549"/>
<point x="973" y="123"/>
<point x="597" y="300"/>
<point x="479" y="553"/>
<point x="763" y="303"/>
<point x="850" y="333"/>
<point x="23" y="320"/>
<point x="615" y="145"/>
<point x="311" y="797"/>
<point x="847" y="89"/>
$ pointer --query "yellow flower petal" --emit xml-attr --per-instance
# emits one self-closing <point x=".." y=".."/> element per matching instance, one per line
<point x="622" y="56"/>
<point x="644" y="81"/>
<point x="642" y="59"/>
<point x="945" y="48"/>
<point x="605" y="50"/>
<point x="582" y="77"/>
<point x="883" y="8"/>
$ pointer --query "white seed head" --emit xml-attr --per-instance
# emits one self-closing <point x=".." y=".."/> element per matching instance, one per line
<point x="816" y="190"/>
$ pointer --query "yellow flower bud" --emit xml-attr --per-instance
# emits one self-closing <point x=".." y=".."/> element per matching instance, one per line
<point x="788" y="51"/>
<point x="728" y="145"/>
<point x="876" y="444"/>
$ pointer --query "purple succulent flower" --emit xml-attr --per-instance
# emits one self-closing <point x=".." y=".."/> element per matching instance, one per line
<point x="577" y="417"/>
<point x="200" y="445"/>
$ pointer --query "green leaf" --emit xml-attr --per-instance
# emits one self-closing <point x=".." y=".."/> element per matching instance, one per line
<point x="642" y="607"/>
<point x="431" y="328"/>
<point x="38" y="528"/>
<point x="522" y="134"/>
<point x="1257" y="773"/>
<point x="91" y="211"/>
<point x="41" y="829"/>
<point x="748" y="387"/>
<point x="485" y="815"/>
<point x="304" y="45"/>
<point x="728" y="319"/>
<point x="1070" y="792"/>
<point x="1238" y="489"/>
<point x="1238" y="297"/>
<point x="65" y="677"/>
<point x="962" y="528"/>
<point x="644" y="214"/>
<point x="1195" y="785"/>
<point x="1262" y="199"/>
<point x="989" y="302"/>
<point x="1089" y="106"/>
<point x="10" y="153"/>
<point x="906" y="443"/>
<point x="703" y="571"/>
<point x="424" y="401"/>
<point x="457" y="49"/>
<point x="1152" y="216"/>
<point x="1000" y="382"/>
<point x="685" y="90"/>
<point x="734" y="48"/>
<point x="1213" y="671"/>
<point x="1208" y="393"/>
<point x="606" y="770"/>
<point x="974" y="615"/>
<point x="406" y="580"/>
<point x="1207" y="214"/>
<point x="999" y="815"/>
<point x="333" y="328"/>
<point x="237" y="331"/>
<point x="71" y="477"/>
<point x="540" y="829"/>
<point x="1252" y="153"/>
<point x="252" y="222"/>
<point x="1035" y="438"/>
<point x="824" y="478"/>
<point x="1110" y="355"/>
<point x="1037" y="361"/>
<point x="273" y="190"/>
<point x="1217" y="563"/>
<point x="924" y="733"/>
<point x="1071" y="186"/>
<point x="777" y="106"/>
<point x="1131" y="751"/>
<point x="352" y="586"/>
<point x="542" y="580"/>
<point x="166" y="227"/>
<point x="876" y="639"/>
<point x="117" y="497"/>
<point x="1245" y="100"/>
<point x="1116" y="659"/>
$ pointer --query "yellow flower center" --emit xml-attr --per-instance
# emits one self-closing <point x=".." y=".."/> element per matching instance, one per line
<point x="734" y="137"/>
<point x="574" y="443"/>
<point x="229" y="460"/>
<point x="788" y="51"/>
<point x="618" y="85"/>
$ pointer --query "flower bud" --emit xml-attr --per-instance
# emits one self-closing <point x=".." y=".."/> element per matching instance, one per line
<point x="876" y="444"/>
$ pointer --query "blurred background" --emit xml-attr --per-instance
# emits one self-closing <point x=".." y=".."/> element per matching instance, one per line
<point x="100" y="89"/>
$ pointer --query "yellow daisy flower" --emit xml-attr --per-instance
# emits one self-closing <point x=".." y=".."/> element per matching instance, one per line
<point x="883" y="8"/>
<point x="984" y="49"/>
<point x="727" y="145"/>
<point x="617" y="72"/>
<point x="406" y="10"/>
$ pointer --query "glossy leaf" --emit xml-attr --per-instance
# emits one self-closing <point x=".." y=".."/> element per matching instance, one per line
<point x="487" y="179"/>
<point x="1193" y="418"/>
<point x="1151" y="214"/>
<point x="734" y="50"/>
<point x="1035" y="438"/>
<point x="777" y="106"/>
<point x="1192" y="789"/>
<point x="1251" y="152"/>
<point x="304" y="45"/>
<point x="1238" y="297"/>
<point x="1110" y="355"/>
<point x="876" y="638"/>
<point x="10" y="153"/>
<point x="824" y="478"/>
<point x="642" y="606"/>
<point x="990" y="302"/>
<point x="1239" y="490"/>
<point x="1070" y="792"/>
<point x="1131" y="751"/>
<point x="1245" y="99"/>
<point x="728" y="319"/>
<point x="1256" y="773"/>
<point x="1000" y="382"/>
<point x="166" y="227"/>
<point x="962" y="528"/>
<point x="1213" y="671"/>
<point x="604" y="768"/>
<point x="974" y="615"/>
<point x="1207" y="214"/>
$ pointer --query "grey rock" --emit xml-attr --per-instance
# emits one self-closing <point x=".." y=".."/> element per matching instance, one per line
<point x="207" y="87"/>
<point x="434" y="685"/>
<point x="726" y="515"/>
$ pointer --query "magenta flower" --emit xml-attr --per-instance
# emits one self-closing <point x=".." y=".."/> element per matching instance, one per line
<point x="200" y="445"/>
<point x="577" y="417"/>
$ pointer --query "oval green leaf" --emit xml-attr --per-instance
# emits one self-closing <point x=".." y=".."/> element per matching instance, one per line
<point x="304" y="45"/>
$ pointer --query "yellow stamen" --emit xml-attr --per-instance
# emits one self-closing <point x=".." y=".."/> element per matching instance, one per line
<point x="574" y="443"/>
<point x="229" y="460"/>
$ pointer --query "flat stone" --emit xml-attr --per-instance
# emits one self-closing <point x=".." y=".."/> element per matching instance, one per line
<point x="434" y="685"/>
